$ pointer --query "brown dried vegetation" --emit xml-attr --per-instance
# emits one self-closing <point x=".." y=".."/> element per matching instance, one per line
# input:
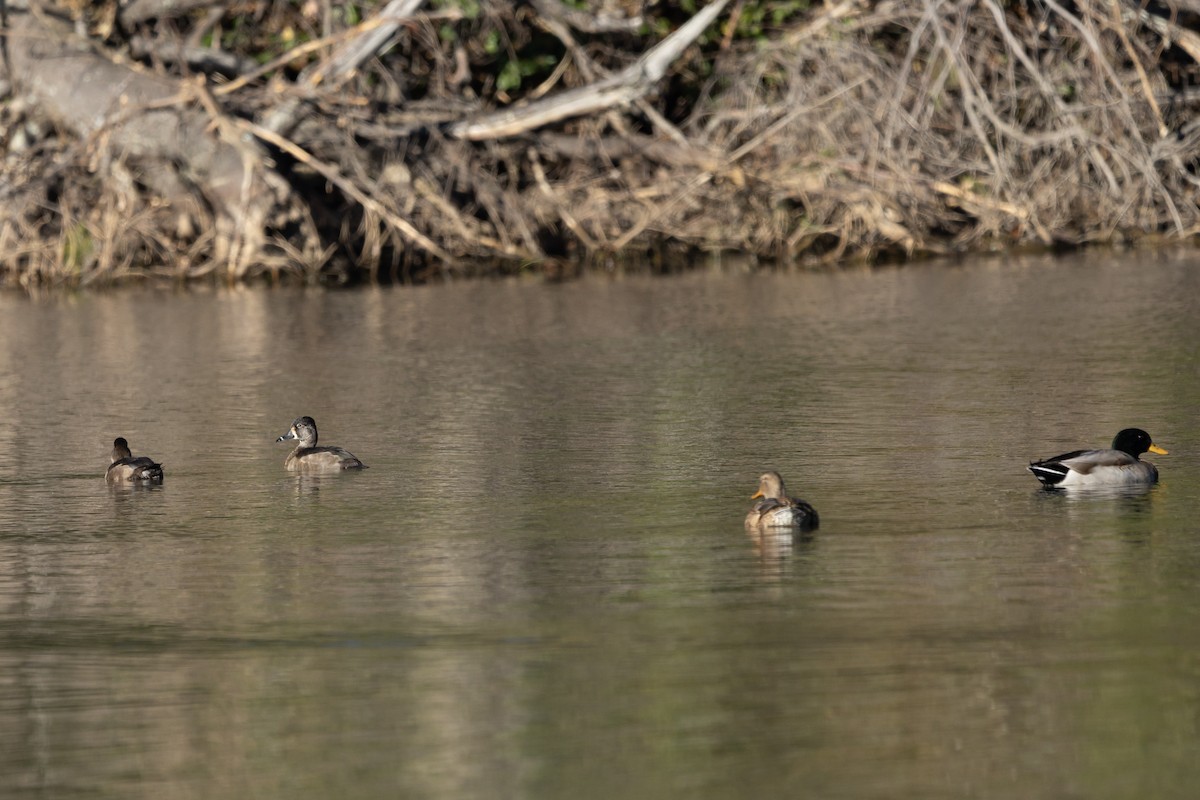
<point x="846" y="129"/>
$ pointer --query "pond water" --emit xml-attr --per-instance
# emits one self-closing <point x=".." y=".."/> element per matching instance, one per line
<point x="541" y="587"/>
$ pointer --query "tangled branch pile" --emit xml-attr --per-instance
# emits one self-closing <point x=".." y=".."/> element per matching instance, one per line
<point x="398" y="140"/>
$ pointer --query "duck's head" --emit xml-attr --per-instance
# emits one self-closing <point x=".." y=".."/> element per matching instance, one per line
<point x="304" y="429"/>
<point x="770" y="486"/>
<point x="120" y="449"/>
<point x="1136" y="441"/>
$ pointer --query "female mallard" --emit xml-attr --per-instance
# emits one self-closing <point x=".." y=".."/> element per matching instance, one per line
<point x="307" y="457"/>
<point x="1118" y="466"/>
<point x="776" y="509"/>
<point x="127" y="469"/>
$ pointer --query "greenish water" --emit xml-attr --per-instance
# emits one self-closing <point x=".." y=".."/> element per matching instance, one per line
<point x="542" y="587"/>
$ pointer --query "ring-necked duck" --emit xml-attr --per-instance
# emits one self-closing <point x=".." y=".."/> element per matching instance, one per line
<point x="307" y="457"/>
<point x="776" y="509"/>
<point x="1117" y="466"/>
<point x="127" y="469"/>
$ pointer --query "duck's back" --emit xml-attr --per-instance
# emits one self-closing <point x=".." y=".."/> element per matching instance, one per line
<point x="128" y="470"/>
<point x="322" y="459"/>
<point x="776" y="513"/>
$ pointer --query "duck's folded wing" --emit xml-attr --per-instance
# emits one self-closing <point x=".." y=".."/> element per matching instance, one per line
<point x="339" y="456"/>
<point x="809" y="514"/>
<point x="134" y="469"/>
<point x="767" y="504"/>
<point x="1084" y="461"/>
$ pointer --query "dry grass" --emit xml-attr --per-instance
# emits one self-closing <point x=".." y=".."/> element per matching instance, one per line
<point x="861" y="130"/>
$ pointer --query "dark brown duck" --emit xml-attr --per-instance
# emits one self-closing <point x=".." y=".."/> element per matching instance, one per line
<point x="127" y="469"/>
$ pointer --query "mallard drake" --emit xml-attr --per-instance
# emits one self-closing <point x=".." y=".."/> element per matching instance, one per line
<point x="1117" y="466"/>
<point x="776" y="510"/>
<point x="307" y="457"/>
<point x="127" y="469"/>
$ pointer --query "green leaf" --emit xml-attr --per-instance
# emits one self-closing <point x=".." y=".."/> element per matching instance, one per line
<point x="509" y="77"/>
<point x="77" y="247"/>
<point x="491" y="42"/>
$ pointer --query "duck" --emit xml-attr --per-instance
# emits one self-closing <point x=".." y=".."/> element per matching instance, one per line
<point x="1118" y="465"/>
<point x="127" y="469"/>
<point x="307" y="457"/>
<point x="776" y="510"/>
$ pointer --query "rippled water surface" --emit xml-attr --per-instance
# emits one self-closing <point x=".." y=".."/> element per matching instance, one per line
<point x="541" y="587"/>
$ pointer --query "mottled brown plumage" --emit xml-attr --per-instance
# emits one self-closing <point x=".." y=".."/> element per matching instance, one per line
<point x="776" y="510"/>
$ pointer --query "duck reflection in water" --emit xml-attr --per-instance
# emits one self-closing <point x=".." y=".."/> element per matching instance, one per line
<point x="308" y="484"/>
<point x="775" y="547"/>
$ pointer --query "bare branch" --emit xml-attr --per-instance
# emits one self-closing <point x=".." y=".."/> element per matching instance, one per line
<point x="617" y="90"/>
